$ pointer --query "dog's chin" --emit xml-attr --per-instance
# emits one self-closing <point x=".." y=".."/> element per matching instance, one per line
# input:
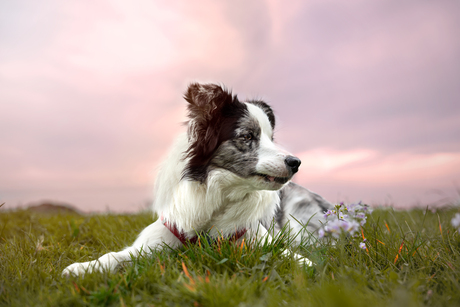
<point x="268" y="182"/>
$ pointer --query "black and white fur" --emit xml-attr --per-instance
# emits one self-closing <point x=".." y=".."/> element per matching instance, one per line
<point x="223" y="175"/>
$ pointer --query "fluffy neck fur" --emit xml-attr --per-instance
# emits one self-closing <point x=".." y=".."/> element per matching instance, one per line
<point x="217" y="204"/>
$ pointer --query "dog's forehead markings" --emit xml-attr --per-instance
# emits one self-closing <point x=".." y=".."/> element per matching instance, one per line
<point x="261" y="117"/>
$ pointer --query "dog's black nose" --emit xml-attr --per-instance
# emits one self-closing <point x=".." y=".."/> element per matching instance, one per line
<point x="293" y="163"/>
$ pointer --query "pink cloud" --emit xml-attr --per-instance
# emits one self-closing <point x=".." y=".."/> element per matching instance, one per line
<point x="371" y="168"/>
<point x="323" y="162"/>
<point x="425" y="169"/>
<point x="125" y="37"/>
<point x="403" y="175"/>
<point x="91" y="93"/>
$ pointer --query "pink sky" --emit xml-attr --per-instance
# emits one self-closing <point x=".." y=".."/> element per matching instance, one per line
<point x="366" y="93"/>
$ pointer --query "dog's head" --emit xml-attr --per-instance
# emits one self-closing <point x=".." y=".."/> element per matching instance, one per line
<point x="225" y="133"/>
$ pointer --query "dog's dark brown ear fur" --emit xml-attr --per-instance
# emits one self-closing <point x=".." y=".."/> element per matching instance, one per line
<point x="213" y="112"/>
<point x="206" y="101"/>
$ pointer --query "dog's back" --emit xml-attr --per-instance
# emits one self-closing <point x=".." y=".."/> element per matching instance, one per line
<point x="302" y="210"/>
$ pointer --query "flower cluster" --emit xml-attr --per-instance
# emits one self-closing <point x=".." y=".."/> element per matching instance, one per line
<point x="456" y="221"/>
<point x="345" y="219"/>
<point x="338" y="226"/>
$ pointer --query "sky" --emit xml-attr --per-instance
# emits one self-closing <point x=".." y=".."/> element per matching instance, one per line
<point x="366" y="94"/>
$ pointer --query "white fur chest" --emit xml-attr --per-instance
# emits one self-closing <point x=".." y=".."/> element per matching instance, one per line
<point x="222" y="205"/>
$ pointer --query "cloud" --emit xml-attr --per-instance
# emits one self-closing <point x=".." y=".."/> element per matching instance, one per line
<point x="148" y="36"/>
<point x="406" y="177"/>
<point x="91" y="93"/>
<point x="372" y="168"/>
<point x="320" y="161"/>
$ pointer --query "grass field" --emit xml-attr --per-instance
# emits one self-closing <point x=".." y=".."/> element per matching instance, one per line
<point x="412" y="259"/>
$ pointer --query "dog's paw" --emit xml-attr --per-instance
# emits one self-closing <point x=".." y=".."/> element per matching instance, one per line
<point x="77" y="269"/>
<point x="301" y="260"/>
<point x="304" y="261"/>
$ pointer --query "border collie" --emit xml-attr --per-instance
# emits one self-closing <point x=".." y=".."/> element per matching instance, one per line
<point x="225" y="177"/>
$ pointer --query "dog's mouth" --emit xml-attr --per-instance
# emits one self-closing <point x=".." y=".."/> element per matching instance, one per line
<point x="267" y="178"/>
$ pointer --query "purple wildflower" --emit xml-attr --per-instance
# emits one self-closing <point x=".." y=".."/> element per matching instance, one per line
<point x="351" y="208"/>
<point x="344" y="219"/>
<point x="362" y="245"/>
<point x="336" y="227"/>
<point x="321" y="233"/>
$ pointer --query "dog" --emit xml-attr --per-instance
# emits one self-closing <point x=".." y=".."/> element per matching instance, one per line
<point x="225" y="177"/>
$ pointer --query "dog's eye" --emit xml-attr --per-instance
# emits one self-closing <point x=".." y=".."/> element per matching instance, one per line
<point x="248" y="137"/>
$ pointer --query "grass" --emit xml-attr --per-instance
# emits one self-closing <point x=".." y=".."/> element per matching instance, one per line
<point x="412" y="259"/>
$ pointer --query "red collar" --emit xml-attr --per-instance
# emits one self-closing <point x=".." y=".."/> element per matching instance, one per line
<point x="184" y="239"/>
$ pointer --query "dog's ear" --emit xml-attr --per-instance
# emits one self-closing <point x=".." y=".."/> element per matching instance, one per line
<point x="266" y="108"/>
<point x="213" y="112"/>
<point x="206" y="101"/>
<point x="205" y="110"/>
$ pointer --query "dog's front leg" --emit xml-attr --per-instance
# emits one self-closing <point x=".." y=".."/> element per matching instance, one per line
<point x="151" y="238"/>
<point x="262" y="234"/>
